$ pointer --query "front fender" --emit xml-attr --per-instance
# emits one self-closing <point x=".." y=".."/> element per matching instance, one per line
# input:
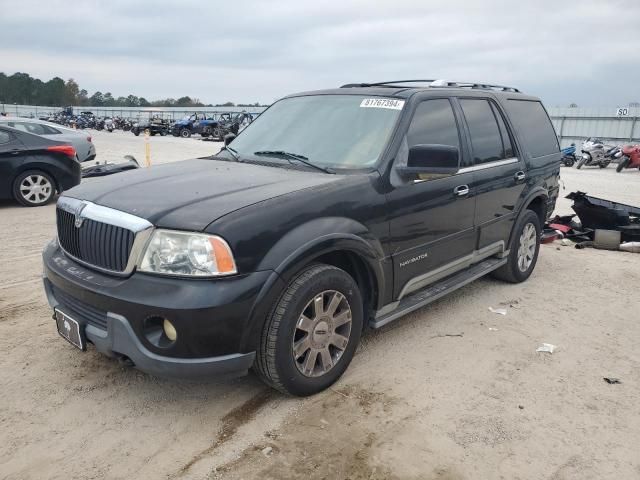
<point x="319" y="236"/>
<point x="301" y="246"/>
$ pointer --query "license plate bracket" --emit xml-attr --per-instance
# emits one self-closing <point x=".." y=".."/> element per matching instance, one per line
<point x="70" y="329"/>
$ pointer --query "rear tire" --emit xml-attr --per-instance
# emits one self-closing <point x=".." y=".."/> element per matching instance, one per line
<point x="34" y="188"/>
<point x="312" y="332"/>
<point x="622" y="164"/>
<point x="524" y="249"/>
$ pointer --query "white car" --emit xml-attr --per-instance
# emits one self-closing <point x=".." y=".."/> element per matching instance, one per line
<point x="80" y="139"/>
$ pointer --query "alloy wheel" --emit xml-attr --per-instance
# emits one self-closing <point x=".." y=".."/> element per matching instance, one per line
<point x="36" y="189"/>
<point x="527" y="247"/>
<point x="322" y="333"/>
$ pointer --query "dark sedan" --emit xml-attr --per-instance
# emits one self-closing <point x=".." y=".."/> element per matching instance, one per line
<point x="34" y="168"/>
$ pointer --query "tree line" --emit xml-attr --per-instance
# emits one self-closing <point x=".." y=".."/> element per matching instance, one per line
<point x="23" y="89"/>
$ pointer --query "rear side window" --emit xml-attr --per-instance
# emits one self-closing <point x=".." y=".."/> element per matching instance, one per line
<point x="536" y="131"/>
<point x="49" y="130"/>
<point x="507" y="146"/>
<point x="486" y="139"/>
<point x="433" y="123"/>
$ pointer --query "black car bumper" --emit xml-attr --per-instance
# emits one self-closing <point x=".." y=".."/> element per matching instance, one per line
<point x="211" y="317"/>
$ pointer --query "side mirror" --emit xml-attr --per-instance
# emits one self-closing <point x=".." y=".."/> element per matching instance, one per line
<point x="228" y="138"/>
<point x="431" y="159"/>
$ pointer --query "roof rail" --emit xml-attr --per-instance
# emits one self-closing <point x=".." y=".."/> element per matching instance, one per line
<point x="436" y="84"/>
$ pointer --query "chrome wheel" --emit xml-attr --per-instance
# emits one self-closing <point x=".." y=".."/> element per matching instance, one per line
<point x="527" y="247"/>
<point x="322" y="333"/>
<point x="36" y="189"/>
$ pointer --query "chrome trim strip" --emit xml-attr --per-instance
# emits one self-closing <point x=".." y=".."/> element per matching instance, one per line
<point x="483" y="166"/>
<point x="141" y="228"/>
<point x="422" y="280"/>
<point x="85" y="209"/>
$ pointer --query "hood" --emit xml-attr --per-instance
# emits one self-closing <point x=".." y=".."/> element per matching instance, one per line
<point x="191" y="194"/>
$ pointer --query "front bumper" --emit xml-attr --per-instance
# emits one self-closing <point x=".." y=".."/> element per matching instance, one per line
<point x="210" y="316"/>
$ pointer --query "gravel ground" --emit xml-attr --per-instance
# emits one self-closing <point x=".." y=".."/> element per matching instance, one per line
<point x="452" y="391"/>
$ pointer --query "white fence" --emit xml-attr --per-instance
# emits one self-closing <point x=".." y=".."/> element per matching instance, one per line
<point x="615" y="125"/>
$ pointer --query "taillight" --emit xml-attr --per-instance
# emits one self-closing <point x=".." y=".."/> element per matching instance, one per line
<point x="88" y="139"/>
<point x="67" y="150"/>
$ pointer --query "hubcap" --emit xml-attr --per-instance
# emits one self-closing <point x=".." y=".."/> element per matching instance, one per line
<point x="36" y="188"/>
<point x="527" y="248"/>
<point x="322" y="333"/>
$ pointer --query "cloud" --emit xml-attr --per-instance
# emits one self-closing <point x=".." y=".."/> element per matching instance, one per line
<point x="570" y="51"/>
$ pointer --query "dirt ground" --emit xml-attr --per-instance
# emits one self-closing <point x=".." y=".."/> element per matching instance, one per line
<point x="449" y="392"/>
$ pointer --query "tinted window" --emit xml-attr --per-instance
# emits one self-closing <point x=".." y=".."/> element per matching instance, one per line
<point x="507" y="146"/>
<point x="34" y="128"/>
<point x="485" y="134"/>
<point x="49" y="130"/>
<point x="534" y="127"/>
<point x="433" y="123"/>
<point x="4" y="137"/>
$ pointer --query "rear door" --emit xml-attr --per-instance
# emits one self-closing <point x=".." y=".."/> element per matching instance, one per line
<point x="12" y="154"/>
<point x="499" y="172"/>
<point x="431" y="220"/>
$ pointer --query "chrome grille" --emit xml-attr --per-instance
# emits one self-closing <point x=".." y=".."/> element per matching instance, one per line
<point x="100" y="244"/>
<point x="99" y="236"/>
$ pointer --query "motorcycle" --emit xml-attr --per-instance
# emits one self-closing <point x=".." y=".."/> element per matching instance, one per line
<point x="630" y="158"/>
<point x="108" y="124"/>
<point x="569" y="155"/>
<point x="596" y="153"/>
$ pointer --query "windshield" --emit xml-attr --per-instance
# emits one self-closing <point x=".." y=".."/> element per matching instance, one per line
<point x="342" y="131"/>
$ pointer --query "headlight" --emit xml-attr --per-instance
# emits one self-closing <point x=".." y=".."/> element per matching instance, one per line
<point x="191" y="254"/>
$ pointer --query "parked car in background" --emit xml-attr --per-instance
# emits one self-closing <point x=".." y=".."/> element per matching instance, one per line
<point x="81" y="140"/>
<point x="334" y="211"/>
<point x="33" y="167"/>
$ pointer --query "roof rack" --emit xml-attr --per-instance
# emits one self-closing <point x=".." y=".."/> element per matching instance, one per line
<point x="435" y="84"/>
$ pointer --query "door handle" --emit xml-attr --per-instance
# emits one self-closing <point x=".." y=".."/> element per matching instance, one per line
<point x="461" y="190"/>
<point x="520" y="176"/>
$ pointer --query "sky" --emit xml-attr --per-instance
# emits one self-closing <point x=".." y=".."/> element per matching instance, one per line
<point x="564" y="51"/>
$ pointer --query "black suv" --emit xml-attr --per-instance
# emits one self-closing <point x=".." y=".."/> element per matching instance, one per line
<point x="334" y="211"/>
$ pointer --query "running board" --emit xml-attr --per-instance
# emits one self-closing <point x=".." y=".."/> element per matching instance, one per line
<point x="430" y="294"/>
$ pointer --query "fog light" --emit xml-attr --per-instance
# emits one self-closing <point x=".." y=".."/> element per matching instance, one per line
<point x="169" y="330"/>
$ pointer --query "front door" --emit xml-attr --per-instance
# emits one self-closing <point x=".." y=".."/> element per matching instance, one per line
<point x="431" y="220"/>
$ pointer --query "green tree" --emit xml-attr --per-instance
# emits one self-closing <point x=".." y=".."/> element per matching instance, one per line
<point x="97" y="99"/>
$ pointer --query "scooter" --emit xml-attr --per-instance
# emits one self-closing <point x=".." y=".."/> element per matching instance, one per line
<point x="630" y="158"/>
<point x="594" y="152"/>
<point x="569" y="155"/>
<point x="108" y="124"/>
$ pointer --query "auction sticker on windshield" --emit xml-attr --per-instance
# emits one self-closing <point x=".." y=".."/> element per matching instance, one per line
<point x="382" y="103"/>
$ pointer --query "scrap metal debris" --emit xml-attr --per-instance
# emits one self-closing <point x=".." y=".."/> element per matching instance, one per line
<point x="602" y="224"/>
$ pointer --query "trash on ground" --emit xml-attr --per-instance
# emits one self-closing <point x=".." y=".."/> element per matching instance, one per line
<point x="493" y="329"/>
<point x="611" y="380"/>
<point x="566" y="242"/>
<point x="546" y="348"/>
<point x="267" y="451"/>
<point x="606" y="239"/>
<point x="499" y="311"/>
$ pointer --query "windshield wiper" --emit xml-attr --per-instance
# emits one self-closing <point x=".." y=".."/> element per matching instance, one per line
<point x="233" y="152"/>
<point x="294" y="156"/>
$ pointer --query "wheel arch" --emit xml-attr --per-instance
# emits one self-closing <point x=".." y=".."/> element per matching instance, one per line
<point x="535" y="201"/>
<point x="347" y="251"/>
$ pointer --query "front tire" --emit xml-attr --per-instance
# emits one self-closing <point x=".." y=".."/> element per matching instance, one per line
<point x="34" y="188"/>
<point x="581" y="162"/>
<point x="524" y="249"/>
<point x="185" y="133"/>
<point x="312" y="332"/>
